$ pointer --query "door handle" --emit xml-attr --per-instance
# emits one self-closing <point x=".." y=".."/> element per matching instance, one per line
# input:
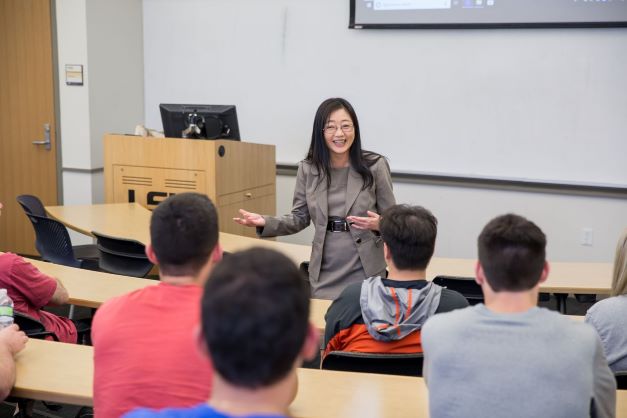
<point x="46" y="141"/>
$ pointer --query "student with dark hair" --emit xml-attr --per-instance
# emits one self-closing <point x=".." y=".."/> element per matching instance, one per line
<point x="509" y="358"/>
<point x="145" y="351"/>
<point x="256" y="331"/>
<point x="341" y="189"/>
<point x="386" y="315"/>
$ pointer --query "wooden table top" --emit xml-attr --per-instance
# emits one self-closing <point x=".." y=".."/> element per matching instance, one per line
<point x="60" y="372"/>
<point x="93" y="288"/>
<point x="130" y="220"/>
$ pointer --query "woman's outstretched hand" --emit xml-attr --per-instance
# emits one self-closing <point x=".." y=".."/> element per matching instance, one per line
<point x="250" y="219"/>
<point x="365" y="222"/>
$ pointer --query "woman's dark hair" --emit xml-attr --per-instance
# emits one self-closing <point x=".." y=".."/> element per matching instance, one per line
<point x="318" y="154"/>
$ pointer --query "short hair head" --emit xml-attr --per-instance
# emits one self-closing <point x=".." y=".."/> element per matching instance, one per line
<point x="409" y="233"/>
<point x="512" y="253"/>
<point x="255" y="316"/>
<point x="183" y="233"/>
<point x="619" y="278"/>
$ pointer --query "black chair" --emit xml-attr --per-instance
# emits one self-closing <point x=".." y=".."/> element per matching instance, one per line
<point x="621" y="380"/>
<point x="464" y="285"/>
<point x="33" y="206"/>
<point x="53" y="241"/>
<point x="380" y="363"/>
<point x="122" y="256"/>
<point x="32" y="327"/>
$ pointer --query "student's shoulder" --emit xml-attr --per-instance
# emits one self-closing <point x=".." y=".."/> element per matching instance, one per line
<point x="200" y="411"/>
<point x="569" y="328"/>
<point x="11" y="262"/>
<point x="347" y="301"/>
<point x="125" y="303"/>
<point x="611" y="304"/>
<point x="448" y="322"/>
<point x="376" y="162"/>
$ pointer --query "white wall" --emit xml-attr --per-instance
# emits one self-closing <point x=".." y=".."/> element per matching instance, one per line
<point x="463" y="211"/>
<point x="116" y="59"/>
<point x="539" y="104"/>
<point x="105" y="36"/>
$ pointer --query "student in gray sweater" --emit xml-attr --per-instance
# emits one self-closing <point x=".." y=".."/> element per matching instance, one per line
<point x="608" y="316"/>
<point x="509" y="358"/>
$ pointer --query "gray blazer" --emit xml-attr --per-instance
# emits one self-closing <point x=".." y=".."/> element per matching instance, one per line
<point x="310" y="204"/>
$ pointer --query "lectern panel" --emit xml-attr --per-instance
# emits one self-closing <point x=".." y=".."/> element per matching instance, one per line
<point x="149" y="186"/>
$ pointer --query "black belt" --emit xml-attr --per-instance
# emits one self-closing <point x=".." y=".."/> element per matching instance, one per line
<point x="337" y="224"/>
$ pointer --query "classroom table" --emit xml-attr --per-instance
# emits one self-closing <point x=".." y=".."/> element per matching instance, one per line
<point x="59" y="372"/>
<point x="92" y="288"/>
<point x="130" y="220"/>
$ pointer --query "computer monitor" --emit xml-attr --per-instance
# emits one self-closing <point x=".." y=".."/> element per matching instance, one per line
<point x="199" y="121"/>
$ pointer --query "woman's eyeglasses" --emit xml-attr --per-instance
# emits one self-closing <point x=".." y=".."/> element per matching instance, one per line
<point x="332" y="129"/>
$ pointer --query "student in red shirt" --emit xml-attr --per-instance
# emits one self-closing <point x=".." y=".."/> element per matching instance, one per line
<point x="31" y="290"/>
<point x="256" y="330"/>
<point x="145" y="351"/>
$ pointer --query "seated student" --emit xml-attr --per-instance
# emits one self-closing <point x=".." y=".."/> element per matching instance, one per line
<point x="31" y="290"/>
<point x="145" y="351"/>
<point x="386" y="315"/>
<point x="12" y="341"/>
<point x="256" y="331"/>
<point x="509" y="358"/>
<point x="608" y="316"/>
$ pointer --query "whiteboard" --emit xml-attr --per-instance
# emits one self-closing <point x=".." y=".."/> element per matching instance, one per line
<point x="545" y="105"/>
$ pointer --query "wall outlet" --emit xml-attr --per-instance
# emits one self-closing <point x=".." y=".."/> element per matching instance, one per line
<point x="587" y="237"/>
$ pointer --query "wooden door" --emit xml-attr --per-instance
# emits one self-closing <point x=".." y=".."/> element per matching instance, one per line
<point x="26" y="105"/>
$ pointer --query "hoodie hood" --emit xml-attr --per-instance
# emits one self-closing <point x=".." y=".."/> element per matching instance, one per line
<point x="391" y="313"/>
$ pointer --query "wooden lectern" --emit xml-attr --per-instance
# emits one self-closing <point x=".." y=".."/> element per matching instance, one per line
<point x="233" y="174"/>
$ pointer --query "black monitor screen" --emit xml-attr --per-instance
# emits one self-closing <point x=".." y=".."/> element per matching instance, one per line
<point x="199" y="121"/>
<point x="486" y="13"/>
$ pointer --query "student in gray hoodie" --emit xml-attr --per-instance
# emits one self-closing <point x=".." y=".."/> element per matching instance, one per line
<point x="385" y="315"/>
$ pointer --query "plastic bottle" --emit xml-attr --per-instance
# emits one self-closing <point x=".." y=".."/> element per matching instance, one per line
<point x="6" y="309"/>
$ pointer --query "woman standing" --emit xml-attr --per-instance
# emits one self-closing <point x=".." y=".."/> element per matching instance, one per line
<point x="341" y="189"/>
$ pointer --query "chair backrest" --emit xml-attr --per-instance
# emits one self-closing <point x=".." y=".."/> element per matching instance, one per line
<point x="621" y="380"/>
<point x="381" y="363"/>
<point x="53" y="241"/>
<point x="464" y="285"/>
<point x="122" y="256"/>
<point x="32" y="327"/>
<point x="32" y="205"/>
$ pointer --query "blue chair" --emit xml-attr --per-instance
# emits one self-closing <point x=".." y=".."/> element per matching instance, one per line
<point x="53" y="242"/>
<point x="88" y="253"/>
